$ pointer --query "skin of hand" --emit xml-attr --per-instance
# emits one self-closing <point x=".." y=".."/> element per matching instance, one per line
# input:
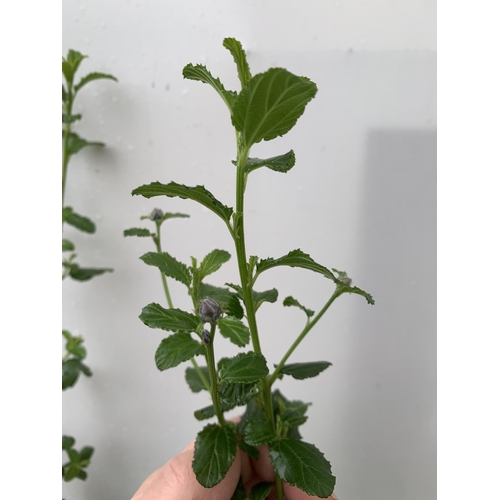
<point x="176" y="479"/>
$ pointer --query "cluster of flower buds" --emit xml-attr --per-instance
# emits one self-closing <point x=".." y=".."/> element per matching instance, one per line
<point x="156" y="214"/>
<point x="209" y="310"/>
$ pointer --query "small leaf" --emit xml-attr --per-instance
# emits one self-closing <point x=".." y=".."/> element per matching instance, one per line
<point x="239" y="492"/>
<point x="260" y="491"/>
<point x="295" y="258"/>
<point x="344" y="286"/>
<point x="292" y="413"/>
<point x="214" y="452"/>
<point x="290" y="301"/>
<point x="270" y="105"/>
<point x="252" y="451"/>
<point x="79" y="221"/>
<point x="71" y="64"/>
<point x="174" y="320"/>
<point x="193" y="379"/>
<point x="64" y="94"/>
<point x="70" y="118"/>
<point x="200" y="73"/>
<point x="213" y="261"/>
<point x="67" y="442"/>
<point x="302" y="465"/>
<point x="70" y="472"/>
<point x="234" y="330"/>
<point x="67" y="246"/>
<point x="137" y="231"/>
<point x="169" y="266"/>
<point x="252" y="412"/>
<point x="71" y="369"/>
<point x="205" y="413"/>
<point x="76" y="143"/>
<point x="86" y="452"/>
<point x="175" y="349"/>
<point x="91" y="77"/>
<point x="268" y="296"/>
<point x="281" y="163"/>
<point x="244" y="367"/>
<point x="228" y="300"/>
<point x="259" y="432"/>
<point x="235" y="394"/>
<point x="85" y="273"/>
<point x="301" y="371"/>
<point x="240" y="58"/>
<point x="198" y="193"/>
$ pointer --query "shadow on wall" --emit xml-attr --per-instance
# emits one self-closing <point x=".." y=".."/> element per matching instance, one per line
<point x="392" y="384"/>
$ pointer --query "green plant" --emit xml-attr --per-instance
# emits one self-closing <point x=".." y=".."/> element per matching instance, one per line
<point x="267" y="106"/>
<point x="72" y="143"/>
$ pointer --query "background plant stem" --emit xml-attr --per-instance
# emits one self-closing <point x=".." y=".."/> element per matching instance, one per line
<point x="212" y="370"/>
<point x="67" y="132"/>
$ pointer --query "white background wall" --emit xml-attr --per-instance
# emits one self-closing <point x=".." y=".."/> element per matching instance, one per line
<point x="360" y="198"/>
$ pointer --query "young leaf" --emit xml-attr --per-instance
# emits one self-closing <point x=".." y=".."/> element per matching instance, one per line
<point x="91" y="77"/>
<point x="79" y="221"/>
<point x="239" y="492"/>
<point x="301" y="371"/>
<point x="259" y="432"/>
<point x="214" y="452"/>
<point x="270" y="105"/>
<point x="228" y="300"/>
<point x="291" y="412"/>
<point x="71" y="64"/>
<point x="281" y="163"/>
<point x="213" y="261"/>
<point x="169" y="266"/>
<point x="85" y="454"/>
<point x="240" y="58"/>
<point x="70" y="118"/>
<point x="244" y="367"/>
<point x="198" y="193"/>
<point x="137" y="231"/>
<point x="302" y="465"/>
<point x="175" y="349"/>
<point x="235" y="394"/>
<point x="169" y="215"/>
<point x="295" y="258"/>
<point x="344" y="286"/>
<point x="71" y="369"/>
<point x="201" y="74"/>
<point x="260" y="491"/>
<point x="85" y="273"/>
<point x="67" y="246"/>
<point x="173" y="320"/>
<point x="193" y="379"/>
<point x="267" y="296"/>
<point x="234" y="330"/>
<point x="290" y="301"/>
<point x="67" y="442"/>
<point x="76" y="143"/>
<point x="205" y="413"/>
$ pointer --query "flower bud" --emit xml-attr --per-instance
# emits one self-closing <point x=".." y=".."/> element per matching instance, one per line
<point x="205" y="336"/>
<point x="157" y="214"/>
<point x="209" y="310"/>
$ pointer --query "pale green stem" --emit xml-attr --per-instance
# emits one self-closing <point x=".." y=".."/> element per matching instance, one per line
<point x="212" y="371"/>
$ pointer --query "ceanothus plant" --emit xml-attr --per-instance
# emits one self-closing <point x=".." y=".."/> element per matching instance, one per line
<point x="267" y="106"/>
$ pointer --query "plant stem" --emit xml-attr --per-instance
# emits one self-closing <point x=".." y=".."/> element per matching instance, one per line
<point x="206" y="383"/>
<point x="157" y="241"/>
<point x="67" y="131"/>
<point x="212" y="371"/>
<point x="299" y="339"/>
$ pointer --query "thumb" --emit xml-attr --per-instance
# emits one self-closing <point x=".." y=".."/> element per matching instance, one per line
<point x="176" y="480"/>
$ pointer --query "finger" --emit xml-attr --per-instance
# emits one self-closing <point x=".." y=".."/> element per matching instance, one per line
<point x="262" y="467"/>
<point x="176" y="480"/>
<point x="293" y="493"/>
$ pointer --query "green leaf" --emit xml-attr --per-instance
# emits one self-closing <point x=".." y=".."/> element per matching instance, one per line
<point x="260" y="491"/>
<point x="169" y="266"/>
<point x="67" y="442"/>
<point x="259" y="432"/>
<point x="173" y="320"/>
<point x="198" y="193"/>
<point x="270" y="105"/>
<point x="76" y="143"/>
<point x="167" y="216"/>
<point x="252" y="451"/>
<point x="302" y="465"/>
<point x="200" y="73"/>
<point x="295" y="258"/>
<point x="344" y="286"/>
<point x="74" y="345"/>
<point x="79" y="221"/>
<point x="214" y="452"/>
<point x="239" y="492"/>
<point x="85" y="273"/>
<point x="137" y="231"/>
<point x="301" y="371"/>
<point x="244" y="367"/>
<point x="293" y="413"/>
<point x="240" y="58"/>
<point x="175" y="349"/>
<point x="205" y="413"/>
<point x="86" y="453"/>
<point x="228" y="300"/>
<point x="193" y="379"/>
<point x="234" y="330"/>
<point x="64" y="94"/>
<point x="70" y="118"/>
<point x="252" y="412"/>
<point x="71" y="64"/>
<point x="67" y="246"/>
<point x="213" y="261"/>
<point x="290" y="301"/>
<point x="281" y="163"/>
<point x="91" y="77"/>
<point x="268" y="296"/>
<point x="70" y="472"/>
<point x="71" y="369"/>
<point x="235" y="394"/>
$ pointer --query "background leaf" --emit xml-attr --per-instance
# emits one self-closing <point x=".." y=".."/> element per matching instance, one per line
<point x="214" y="452"/>
<point x="198" y="193"/>
<point x="290" y="301"/>
<point x="70" y="118"/>
<point x="91" y="77"/>
<point x="79" y="221"/>
<point x="169" y="266"/>
<point x="259" y="432"/>
<point x="71" y="369"/>
<point x="137" y="231"/>
<point x="302" y="465"/>
<point x="228" y="300"/>
<point x="270" y="105"/>
<point x="244" y="367"/>
<point x="175" y="349"/>
<point x="193" y="379"/>
<point x="260" y="491"/>
<point x="213" y="262"/>
<point x="86" y="273"/>
<point x="76" y="143"/>
<point x="174" y="320"/>
<point x="240" y="58"/>
<point x="301" y="371"/>
<point x="234" y="330"/>
<point x="67" y="246"/>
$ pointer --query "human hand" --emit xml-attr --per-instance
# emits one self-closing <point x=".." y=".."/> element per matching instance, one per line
<point x="176" y="479"/>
